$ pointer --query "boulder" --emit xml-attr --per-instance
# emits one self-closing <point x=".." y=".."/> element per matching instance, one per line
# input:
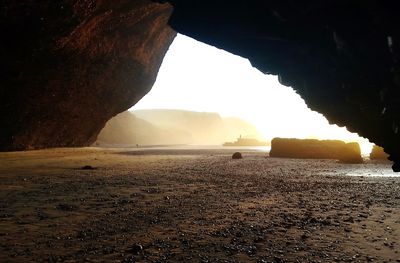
<point x="316" y="149"/>
<point x="378" y="153"/>
<point x="237" y="155"/>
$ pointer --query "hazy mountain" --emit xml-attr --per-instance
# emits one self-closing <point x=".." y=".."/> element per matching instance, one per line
<point x="127" y="129"/>
<point x="154" y="127"/>
<point x="205" y="127"/>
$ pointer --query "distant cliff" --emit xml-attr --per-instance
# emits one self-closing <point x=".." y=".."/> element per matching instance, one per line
<point x="157" y="127"/>
<point x="316" y="149"/>
<point x="127" y="129"/>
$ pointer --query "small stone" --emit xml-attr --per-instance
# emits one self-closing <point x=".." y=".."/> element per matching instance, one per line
<point x="42" y="215"/>
<point x="88" y="167"/>
<point x="136" y="249"/>
<point x="237" y="155"/>
<point x="370" y="259"/>
<point x="67" y="207"/>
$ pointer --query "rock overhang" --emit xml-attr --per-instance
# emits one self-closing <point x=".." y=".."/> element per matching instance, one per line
<point x="342" y="57"/>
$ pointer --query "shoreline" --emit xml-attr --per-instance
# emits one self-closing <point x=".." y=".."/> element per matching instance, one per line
<point x="193" y="206"/>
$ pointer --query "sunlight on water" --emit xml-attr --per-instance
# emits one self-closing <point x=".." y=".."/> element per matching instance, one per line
<point x="367" y="169"/>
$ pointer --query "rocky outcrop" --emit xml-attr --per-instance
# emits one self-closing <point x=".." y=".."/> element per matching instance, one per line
<point x="378" y="153"/>
<point x="316" y="149"/>
<point x="237" y="155"/>
<point x="342" y="57"/>
<point x="68" y="66"/>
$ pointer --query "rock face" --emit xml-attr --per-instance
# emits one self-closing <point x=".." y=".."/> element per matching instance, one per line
<point x="342" y="57"/>
<point x="316" y="149"/>
<point x="68" y="66"/>
<point x="378" y="153"/>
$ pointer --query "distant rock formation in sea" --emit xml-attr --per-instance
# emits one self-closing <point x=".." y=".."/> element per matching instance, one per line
<point x="246" y="142"/>
<point x="316" y="149"/>
<point x="378" y="153"/>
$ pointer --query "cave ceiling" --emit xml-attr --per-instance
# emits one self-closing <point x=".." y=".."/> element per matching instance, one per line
<point x="342" y="57"/>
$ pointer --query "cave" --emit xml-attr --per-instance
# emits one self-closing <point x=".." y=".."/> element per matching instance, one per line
<point x="69" y="66"/>
<point x="83" y="62"/>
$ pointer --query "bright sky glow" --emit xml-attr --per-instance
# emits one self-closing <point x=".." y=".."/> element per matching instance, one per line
<point x="198" y="77"/>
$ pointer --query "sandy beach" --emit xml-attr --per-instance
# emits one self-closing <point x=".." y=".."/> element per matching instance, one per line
<point x="188" y="205"/>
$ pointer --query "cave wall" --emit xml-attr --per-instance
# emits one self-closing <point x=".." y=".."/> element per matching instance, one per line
<point x="341" y="56"/>
<point x="68" y="66"/>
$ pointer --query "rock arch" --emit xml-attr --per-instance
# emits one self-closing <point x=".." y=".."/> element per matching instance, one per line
<point x="69" y="66"/>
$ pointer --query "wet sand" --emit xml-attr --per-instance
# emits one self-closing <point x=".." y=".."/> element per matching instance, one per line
<point x="157" y="205"/>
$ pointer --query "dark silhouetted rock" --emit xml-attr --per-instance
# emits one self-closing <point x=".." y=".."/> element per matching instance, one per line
<point x="67" y="207"/>
<point x="237" y="155"/>
<point x="378" y="153"/>
<point x="88" y="167"/>
<point x="316" y="149"/>
<point x="135" y="249"/>
<point x="341" y="57"/>
<point x="70" y="66"/>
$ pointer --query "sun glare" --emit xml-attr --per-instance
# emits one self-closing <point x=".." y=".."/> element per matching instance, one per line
<point x="198" y="77"/>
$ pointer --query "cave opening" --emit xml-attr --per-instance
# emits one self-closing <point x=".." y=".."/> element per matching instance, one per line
<point x="196" y="78"/>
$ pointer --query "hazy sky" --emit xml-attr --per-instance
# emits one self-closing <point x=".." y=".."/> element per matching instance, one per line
<point x="198" y="77"/>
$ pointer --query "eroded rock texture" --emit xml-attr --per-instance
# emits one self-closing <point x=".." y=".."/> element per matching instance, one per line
<point x="341" y="56"/>
<point x="316" y="149"/>
<point x="378" y="153"/>
<point x="68" y="66"/>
